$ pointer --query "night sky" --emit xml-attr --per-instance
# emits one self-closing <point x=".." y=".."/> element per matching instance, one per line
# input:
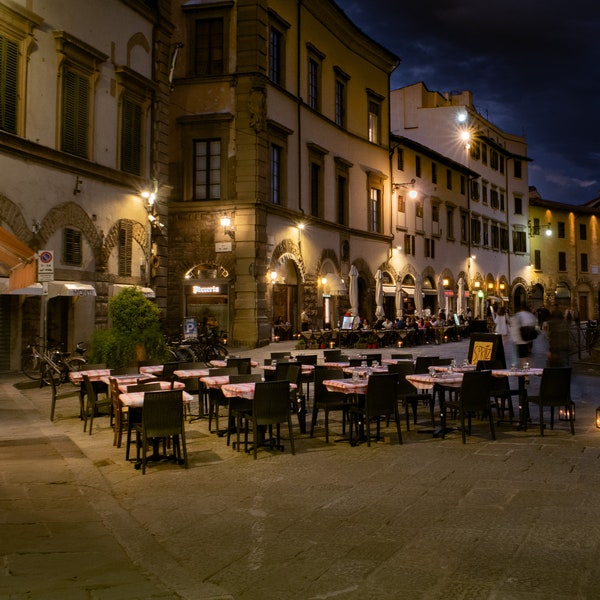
<point x="533" y="67"/>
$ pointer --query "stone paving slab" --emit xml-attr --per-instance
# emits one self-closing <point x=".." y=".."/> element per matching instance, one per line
<point x="432" y="518"/>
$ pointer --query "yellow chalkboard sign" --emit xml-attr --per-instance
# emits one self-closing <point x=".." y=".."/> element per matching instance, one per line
<point x="486" y="346"/>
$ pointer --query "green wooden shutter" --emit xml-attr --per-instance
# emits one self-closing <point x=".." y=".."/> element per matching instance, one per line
<point x="75" y="113"/>
<point x="9" y="62"/>
<point x="131" y="137"/>
<point x="125" y="243"/>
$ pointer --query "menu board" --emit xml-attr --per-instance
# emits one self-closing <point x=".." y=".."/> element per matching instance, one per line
<point x="486" y="346"/>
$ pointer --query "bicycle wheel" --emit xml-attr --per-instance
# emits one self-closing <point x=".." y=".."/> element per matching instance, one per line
<point x="215" y="352"/>
<point x="30" y="365"/>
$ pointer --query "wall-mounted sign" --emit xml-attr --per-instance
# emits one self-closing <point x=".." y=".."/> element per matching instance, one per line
<point x="46" y="265"/>
<point x="206" y="289"/>
<point x="223" y="247"/>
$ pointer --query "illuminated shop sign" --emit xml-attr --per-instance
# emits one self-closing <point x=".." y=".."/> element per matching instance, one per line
<point x="206" y="289"/>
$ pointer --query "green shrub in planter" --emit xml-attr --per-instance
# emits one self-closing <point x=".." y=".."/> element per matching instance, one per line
<point x="135" y="333"/>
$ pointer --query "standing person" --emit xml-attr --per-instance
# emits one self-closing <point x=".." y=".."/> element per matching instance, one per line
<point x="523" y="318"/>
<point x="305" y="320"/>
<point x="557" y="331"/>
<point x="501" y="322"/>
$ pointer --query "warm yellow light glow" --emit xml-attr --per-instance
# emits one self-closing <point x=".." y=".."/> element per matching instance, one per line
<point x="412" y="194"/>
<point x="225" y="221"/>
<point x="445" y="282"/>
<point x="477" y="284"/>
<point x="273" y="275"/>
<point x="324" y="280"/>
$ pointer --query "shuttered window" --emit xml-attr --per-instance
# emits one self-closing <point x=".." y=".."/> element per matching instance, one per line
<point x="131" y="137"/>
<point x="9" y="62"/>
<point x="75" y="113"/>
<point x="125" y="244"/>
<point x="72" y="247"/>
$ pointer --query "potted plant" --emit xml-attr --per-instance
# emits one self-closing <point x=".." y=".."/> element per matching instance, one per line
<point x="135" y="333"/>
<point x="301" y="344"/>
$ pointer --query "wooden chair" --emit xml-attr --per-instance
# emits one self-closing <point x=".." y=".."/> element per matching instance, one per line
<point x="555" y="392"/>
<point x="271" y="406"/>
<point x="93" y="404"/>
<point x="162" y="417"/>
<point x="326" y="400"/>
<point x="57" y="395"/>
<point x="380" y="402"/>
<point x="473" y="397"/>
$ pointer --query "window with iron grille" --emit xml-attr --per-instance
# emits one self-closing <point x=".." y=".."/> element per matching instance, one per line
<point x="475" y="231"/>
<point x="276" y="173"/>
<point x="207" y="169"/>
<point x="209" y="47"/>
<point x="375" y="210"/>
<point x="340" y="101"/>
<point x="400" y="159"/>
<point x="519" y="242"/>
<point x="342" y="198"/>
<point x="75" y="112"/>
<point x="503" y="239"/>
<point x="131" y="137"/>
<point x="9" y="73"/>
<point x="72" y="247"/>
<point x="276" y="55"/>
<point x="314" y="92"/>
<point x="494" y="199"/>
<point x="125" y="248"/>
<point x="562" y="261"/>
<point x="429" y="248"/>
<point x="374" y="125"/>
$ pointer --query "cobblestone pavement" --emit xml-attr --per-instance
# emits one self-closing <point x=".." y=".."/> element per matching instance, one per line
<point x="515" y="518"/>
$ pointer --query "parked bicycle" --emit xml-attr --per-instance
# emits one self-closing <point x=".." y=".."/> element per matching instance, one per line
<point x="205" y="348"/>
<point x="42" y="365"/>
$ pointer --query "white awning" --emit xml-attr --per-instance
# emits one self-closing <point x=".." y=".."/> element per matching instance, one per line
<point x="35" y="289"/>
<point x="148" y="292"/>
<point x="70" y="288"/>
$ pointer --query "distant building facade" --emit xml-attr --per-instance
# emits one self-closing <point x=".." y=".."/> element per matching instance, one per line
<point x="83" y="118"/>
<point x="465" y="234"/>
<point x="279" y="120"/>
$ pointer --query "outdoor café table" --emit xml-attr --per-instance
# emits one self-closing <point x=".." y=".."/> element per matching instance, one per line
<point x="223" y="363"/>
<point x="152" y="369"/>
<point x="337" y="365"/>
<point x="521" y="375"/>
<point x="246" y="391"/>
<point x="76" y="378"/>
<point x="134" y="401"/>
<point x="365" y="370"/>
<point x="194" y="374"/>
<point x="353" y="388"/>
<point x="440" y="382"/>
<point x="164" y="385"/>
<point x="125" y="380"/>
<point x="394" y="361"/>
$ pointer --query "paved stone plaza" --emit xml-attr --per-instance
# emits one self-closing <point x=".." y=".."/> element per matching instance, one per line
<point x="514" y="518"/>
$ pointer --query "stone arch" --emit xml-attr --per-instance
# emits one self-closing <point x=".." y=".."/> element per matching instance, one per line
<point x="137" y="39"/>
<point x="111" y="240"/>
<point x="289" y="250"/>
<point x="70" y="213"/>
<point x="328" y="254"/>
<point x="11" y="214"/>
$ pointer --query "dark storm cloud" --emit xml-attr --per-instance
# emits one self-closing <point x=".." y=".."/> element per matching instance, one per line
<point x="533" y="67"/>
